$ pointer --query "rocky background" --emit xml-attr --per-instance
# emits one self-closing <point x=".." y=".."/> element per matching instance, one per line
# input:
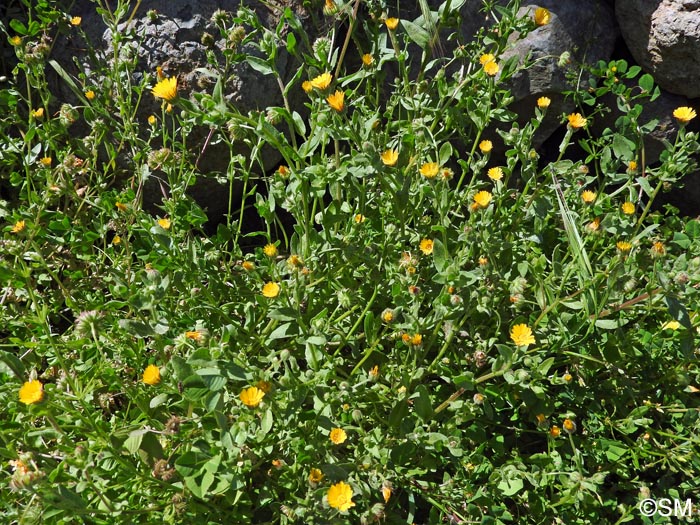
<point x="661" y="36"/>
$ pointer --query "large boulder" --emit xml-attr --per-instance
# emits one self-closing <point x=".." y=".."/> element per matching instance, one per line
<point x="664" y="38"/>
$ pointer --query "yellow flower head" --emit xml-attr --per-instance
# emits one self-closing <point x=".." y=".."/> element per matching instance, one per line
<point x="337" y="101"/>
<point x="388" y="315"/>
<point x="18" y="226"/>
<point x="90" y="94"/>
<point x="495" y="173"/>
<point x="252" y="396"/>
<point x="38" y="113"/>
<point x="485" y="146"/>
<point x="577" y="121"/>
<point x="166" y="89"/>
<point x="330" y="8"/>
<point x="555" y="431"/>
<point x="624" y="246"/>
<point x="486" y="58"/>
<point x="482" y="199"/>
<point x="307" y="86"/>
<point x="541" y="419"/>
<point x="295" y="261"/>
<point x="340" y="496"/>
<point x="367" y="60"/>
<point x="271" y="290"/>
<point x="390" y="157"/>
<point x="16" y="40"/>
<point x="426" y="246"/>
<point x="164" y="223"/>
<point x="543" y="102"/>
<point x="569" y="426"/>
<point x="392" y="23"/>
<point x="116" y="240"/>
<point x="684" y="114"/>
<point x="45" y="161"/>
<point x="338" y="436"/>
<point x="386" y="491"/>
<point x="429" y="170"/>
<point x="359" y="218"/>
<point x="542" y="16"/>
<point x="195" y="335"/>
<point x="315" y="475"/>
<point x="31" y="392"/>
<point x="491" y="68"/>
<point x="152" y="120"/>
<point x="75" y="21"/>
<point x="632" y="166"/>
<point x="374" y="372"/>
<point x="594" y="225"/>
<point x="151" y="376"/>
<point x="248" y="266"/>
<point x="567" y="377"/>
<point x="658" y="249"/>
<point x="671" y="325"/>
<point x="521" y="334"/>
<point x="270" y="250"/>
<point x="588" y="196"/>
<point x="483" y="261"/>
<point x="627" y="208"/>
<point x="322" y="81"/>
<point x="283" y="171"/>
<point x="416" y="339"/>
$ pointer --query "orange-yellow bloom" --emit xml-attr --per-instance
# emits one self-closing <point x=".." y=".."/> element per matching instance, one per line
<point x="337" y="101"/>
<point x="271" y="290"/>
<point x="340" y="496"/>
<point x="521" y="334"/>
<point x="429" y="170"/>
<point x="252" y="396"/>
<point x="588" y="196"/>
<point x="542" y="16"/>
<point x="392" y="23"/>
<point x="322" y="81"/>
<point x="31" y="392"/>
<point x="684" y="114"/>
<point x="166" y="89"/>
<point x="426" y="246"/>
<point x="338" y="436"/>
<point x="543" y="102"/>
<point x="482" y="199"/>
<point x="577" y="121"/>
<point x="495" y="173"/>
<point x="151" y="376"/>
<point x="485" y="146"/>
<point x="390" y="157"/>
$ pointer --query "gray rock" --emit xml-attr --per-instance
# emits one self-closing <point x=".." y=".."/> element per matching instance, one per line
<point x="664" y="38"/>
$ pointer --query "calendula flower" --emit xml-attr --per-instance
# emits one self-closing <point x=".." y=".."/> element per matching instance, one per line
<point x="485" y="146"/>
<point x="16" y="40"/>
<point x="388" y="315"/>
<point x="543" y="102"/>
<point x="594" y="225"/>
<point x="491" y="68"/>
<point x="270" y="250"/>
<point x="495" y="173"/>
<point x="248" y="266"/>
<point x="429" y="170"/>
<point x="632" y="165"/>
<point x="45" y="161"/>
<point x="367" y="60"/>
<point x="555" y="431"/>
<point x="164" y="223"/>
<point x="627" y="208"/>
<point x="166" y="89"/>
<point x="307" y="86"/>
<point x="483" y="261"/>
<point x="283" y="171"/>
<point x="18" y="226"/>
<point x="567" y="377"/>
<point x="671" y="325"/>
<point x="252" y="396"/>
<point x="271" y="290"/>
<point x="386" y="491"/>
<point x="374" y="372"/>
<point x="338" y="436"/>
<point x="152" y="120"/>
<point x="446" y="174"/>
<point x="340" y="496"/>
<point x="90" y="94"/>
<point x="588" y="196"/>
<point x="315" y="475"/>
<point x="75" y="21"/>
<point x="330" y="8"/>
<point x="151" y="376"/>
<point x="577" y="121"/>
<point x="322" y="81"/>
<point x="392" y="23"/>
<point x="569" y="426"/>
<point x="337" y="101"/>
<point x="426" y="246"/>
<point x="486" y="58"/>
<point x="416" y="339"/>
<point x="38" y="113"/>
<point x="482" y="199"/>
<point x="31" y="392"/>
<point x="684" y="114"/>
<point x="195" y="335"/>
<point x="390" y="157"/>
<point x="542" y="16"/>
<point x="624" y="246"/>
<point x="541" y="419"/>
<point x="521" y="334"/>
<point x="116" y="240"/>
<point x="658" y="249"/>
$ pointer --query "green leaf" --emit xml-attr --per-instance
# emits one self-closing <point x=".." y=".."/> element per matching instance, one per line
<point x="259" y="65"/>
<point x="423" y="406"/>
<point x="440" y="256"/>
<point x="416" y="33"/>
<point x="646" y="82"/>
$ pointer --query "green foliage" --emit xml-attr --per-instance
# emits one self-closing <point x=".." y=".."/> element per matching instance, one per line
<point x="408" y="285"/>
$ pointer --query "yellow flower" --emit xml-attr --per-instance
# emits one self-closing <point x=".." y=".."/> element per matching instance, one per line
<point x="684" y="114"/>
<point x="18" y="226"/>
<point x="486" y="58"/>
<point x="194" y="335"/>
<point x="374" y="372"/>
<point x="491" y="68"/>
<point x="671" y="325"/>
<point x="416" y="339"/>
<point x="388" y="315"/>
<point x="164" y="223"/>
<point x="75" y="21"/>
<point x="495" y="173"/>
<point x="521" y="334"/>
<point x="16" y="40"/>
<point x="116" y="240"/>
<point x="567" y="377"/>
<point x="271" y="290"/>
<point x="38" y="113"/>
<point x="31" y="392"/>
<point x="330" y="8"/>
<point x="283" y="171"/>
<point x="485" y="146"/>
<point x="577" y="121"/>
<point x="248" y="266"/>
<point x="594" y="225"/>
<point x="307" y="86"/>
<point x="543" y="102"/>
<point x="426" y="246"/>
<point x="166" y="89"/>
<point x="555" y="431"/>
<point x="338" y="436"/>
<point x="90" y="94"/>
<point x="367" y="60"/>
<point x="315" y="475"/>
<point x="392" y="23"/>
<point x="322" y="81"/>
<point x="632" y="166"/>
<point x="482" y="199"/>
<point x="483" y="261"/>
<point x="169" y="108"/>
<point x="337" y="100"/>
<point x="340" y="496"/>
<point x="429" y="170"/>
<point x="658" y="249"/>
<point x="588" y="196"/>
<point x="386" y="491"/>
<point x="151" y="376"/>
<point x="624" y="246"/>
<point x="45" y="161"/>
<point x="252" y="396"/>
<point x="390" y="157"/>
<point x="152" y="120"/>
<point x="627" y="208"/>
<point x="541" y="419"/>
<point x="295" y="261"/>
<point x="270" y="250"/>
<point x="542" y="16"/>
<point x="359" y="218"/>
<point x="569" y="426"/>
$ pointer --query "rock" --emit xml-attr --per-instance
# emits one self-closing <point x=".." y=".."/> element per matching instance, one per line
<point x="664" y="38"/>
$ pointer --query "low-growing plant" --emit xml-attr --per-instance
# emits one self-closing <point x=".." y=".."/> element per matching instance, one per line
<point x="436" y="324"/>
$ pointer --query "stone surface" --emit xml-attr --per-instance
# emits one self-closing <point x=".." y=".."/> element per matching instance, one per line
<point x="664" y="38"/>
